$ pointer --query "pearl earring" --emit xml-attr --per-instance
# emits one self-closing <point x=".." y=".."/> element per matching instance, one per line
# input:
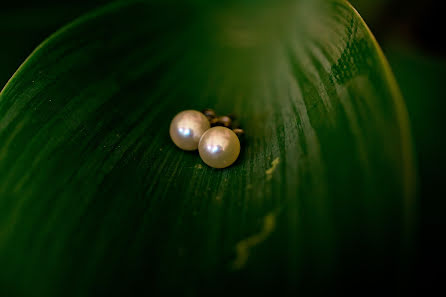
<point x="187" y="127"/>
<point x="219" y="146"/>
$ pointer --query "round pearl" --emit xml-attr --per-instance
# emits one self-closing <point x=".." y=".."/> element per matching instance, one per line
<point x="187" y="127"/>
<point x="219" y="147"/>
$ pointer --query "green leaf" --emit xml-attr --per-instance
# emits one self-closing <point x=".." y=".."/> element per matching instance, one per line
<point x="24" y="24"/>
<point x="96" y="200"/>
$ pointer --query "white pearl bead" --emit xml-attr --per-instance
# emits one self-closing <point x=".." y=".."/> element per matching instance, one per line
<point x="187" y="127"/>
<point x="219" y="147"/>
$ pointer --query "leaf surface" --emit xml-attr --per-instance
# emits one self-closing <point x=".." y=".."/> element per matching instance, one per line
<point x="96" y="200"/>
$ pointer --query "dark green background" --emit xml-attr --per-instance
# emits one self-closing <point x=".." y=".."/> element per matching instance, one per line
<point x="416" y="60"/>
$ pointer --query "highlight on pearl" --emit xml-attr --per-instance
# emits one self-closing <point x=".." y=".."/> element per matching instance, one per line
<point x="219" y="147"/>
<point x="187" y="127"/>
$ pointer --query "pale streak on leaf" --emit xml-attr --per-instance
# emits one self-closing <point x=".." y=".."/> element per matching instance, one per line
<point x="244" y="246"/>
<point x="198" y="166"/>
<point x="270" y="171"/>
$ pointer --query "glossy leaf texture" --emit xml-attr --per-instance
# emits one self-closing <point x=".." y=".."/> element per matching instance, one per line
<point x="95" y="200"/>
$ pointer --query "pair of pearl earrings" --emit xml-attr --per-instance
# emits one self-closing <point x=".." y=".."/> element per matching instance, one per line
<point x="218" y="146"/>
